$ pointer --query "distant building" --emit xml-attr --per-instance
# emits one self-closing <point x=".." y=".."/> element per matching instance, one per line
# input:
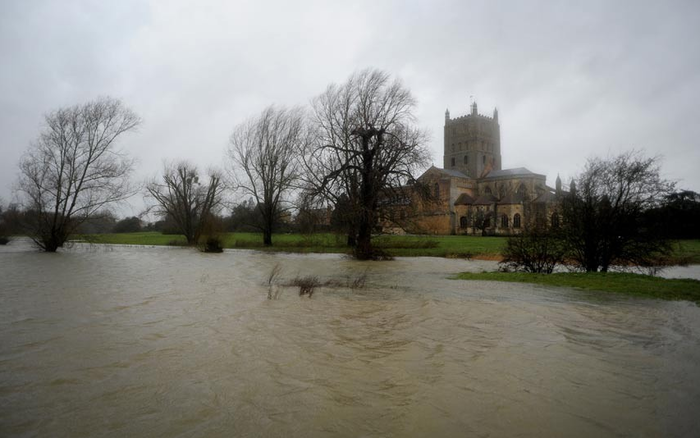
<point x="472" y="194"/>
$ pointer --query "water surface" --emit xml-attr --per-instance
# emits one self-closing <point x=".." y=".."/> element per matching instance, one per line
<point x="161" y="342"/>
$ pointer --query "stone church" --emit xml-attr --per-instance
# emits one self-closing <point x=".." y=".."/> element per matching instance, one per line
<point x="472" y="193"/>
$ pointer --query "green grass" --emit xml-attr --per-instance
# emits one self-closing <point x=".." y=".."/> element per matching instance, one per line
<point x="622" y="283"/>
<point x="687" y="251"/>
<point x="141" y="238"/>
<point x="409" y="246"/>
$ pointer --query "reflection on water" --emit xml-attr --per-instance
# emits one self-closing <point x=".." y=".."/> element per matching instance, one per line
<point x="120" y="341"/>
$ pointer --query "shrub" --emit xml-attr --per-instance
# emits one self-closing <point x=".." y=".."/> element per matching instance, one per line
<point x="306" y="285"/>
<point x="212" y="244"/>
<point x="274" y="289"/>
<point x="535" y="250"/>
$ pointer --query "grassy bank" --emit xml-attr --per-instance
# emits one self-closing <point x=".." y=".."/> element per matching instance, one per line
<point x="409" y="246"/>
<point x="629" y="284"/>
<point x="686" y="251"/>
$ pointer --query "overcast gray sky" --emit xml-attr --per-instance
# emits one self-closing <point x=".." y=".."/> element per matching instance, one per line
<point x="571" y="79"/>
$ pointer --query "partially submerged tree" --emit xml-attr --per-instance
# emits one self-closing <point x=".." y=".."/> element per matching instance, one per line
<point x="537" y="250"/>
<point x="264" y="161"/>
<point x="603" y="213"/>
<point x="74" y="169"/>
<point x="366" y="146"/>
<point x="187" y="201"/>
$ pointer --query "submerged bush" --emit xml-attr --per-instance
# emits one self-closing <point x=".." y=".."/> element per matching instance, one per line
<point x="273" y="289"/>
<point x="212" y="244"/>
<point x="536" y="250"/>
<point x="306" y="285"/>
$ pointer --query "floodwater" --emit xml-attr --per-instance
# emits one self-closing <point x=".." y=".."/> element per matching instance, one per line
<point x="163" y="342"/>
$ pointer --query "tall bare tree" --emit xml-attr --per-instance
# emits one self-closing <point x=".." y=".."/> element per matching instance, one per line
<point x="603" y="213"/>
<point x="74" y="168"/>
<point x="366" y="147"/>
<point x="264" y="161"/>
<point x="189" y="202"/>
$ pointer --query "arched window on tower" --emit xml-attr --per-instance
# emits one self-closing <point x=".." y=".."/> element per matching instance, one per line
<point x="463" y="223"/>
<point x="453" y="162"/>
<point x="437" y="191"/>
<point x="516" y="220"/>
<point x="504" y="221"/>
<point x="487" y="190"/>
<point x="466" y="159"/>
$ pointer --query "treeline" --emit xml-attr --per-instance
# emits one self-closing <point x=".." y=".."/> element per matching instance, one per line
<point x="244" y="217"/>
<point x="355" y="143"/>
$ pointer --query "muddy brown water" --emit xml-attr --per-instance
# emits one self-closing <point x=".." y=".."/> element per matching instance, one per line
<point x="161" y="342"/>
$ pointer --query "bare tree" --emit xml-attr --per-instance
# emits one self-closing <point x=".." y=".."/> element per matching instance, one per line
<point x="366" y="148"/>
<point x="264" y="161"/>
<point x="603" y="213"/>
<point x="190" y="203"/>
<point x="74" y="169"/>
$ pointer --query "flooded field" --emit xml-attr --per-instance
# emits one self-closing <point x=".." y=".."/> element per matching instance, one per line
<point x="165" y="342"/>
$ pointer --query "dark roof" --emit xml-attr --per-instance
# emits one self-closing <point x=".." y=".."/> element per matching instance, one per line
<point x="455" y="173"/>
<point x="512" y="198"/>
<point x="486" y="199"/>
<point x="546" y="197"/>
<point x="518" y="171"/>
<point x="451" y="172"/>
<point x="464" y="199"/>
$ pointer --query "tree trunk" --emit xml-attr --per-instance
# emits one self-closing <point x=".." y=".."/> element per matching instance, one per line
<point x="268" y="222"/>
<point x="51" y="245"/>
<point x="363" y="250"/>
<point x="352" y="236"/>
<point x="52" y="242"/>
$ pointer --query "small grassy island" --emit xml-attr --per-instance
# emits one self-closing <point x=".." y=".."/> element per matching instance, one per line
<point x="617" y="282"/>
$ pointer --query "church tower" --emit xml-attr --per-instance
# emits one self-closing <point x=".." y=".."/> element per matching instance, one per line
<point x="472" y="143"/>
